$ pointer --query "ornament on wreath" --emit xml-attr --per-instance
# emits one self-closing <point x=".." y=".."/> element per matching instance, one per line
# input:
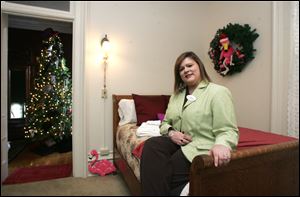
<point x="232" y="48"/>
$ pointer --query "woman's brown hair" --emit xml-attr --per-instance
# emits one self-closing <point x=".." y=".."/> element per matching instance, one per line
<point x="179" y="84"/>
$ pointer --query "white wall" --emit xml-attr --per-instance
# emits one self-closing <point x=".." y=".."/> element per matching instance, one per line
<point x="146" y="39"/>
<point x="251" y="88"/>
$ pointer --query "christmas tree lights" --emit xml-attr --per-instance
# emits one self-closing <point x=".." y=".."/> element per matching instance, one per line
<point x="49" y="108"/>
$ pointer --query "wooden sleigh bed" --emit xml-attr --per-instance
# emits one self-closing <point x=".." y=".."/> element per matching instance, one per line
<point x="255" y="170"/>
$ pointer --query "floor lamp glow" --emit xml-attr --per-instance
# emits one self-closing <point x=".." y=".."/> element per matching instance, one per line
<point x="105" y="45"/>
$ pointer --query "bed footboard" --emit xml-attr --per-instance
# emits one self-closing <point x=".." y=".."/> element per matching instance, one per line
<point x="263" y="170"/>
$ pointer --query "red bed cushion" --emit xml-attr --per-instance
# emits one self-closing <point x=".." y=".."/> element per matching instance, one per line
<point x="252" y="137"/>
<point x="248" y="138"/>
<point x="137" y="152"/>
<point x="147" y="107"/>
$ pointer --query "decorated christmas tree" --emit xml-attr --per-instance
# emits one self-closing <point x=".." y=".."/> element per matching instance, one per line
<point x="49" y="108"/>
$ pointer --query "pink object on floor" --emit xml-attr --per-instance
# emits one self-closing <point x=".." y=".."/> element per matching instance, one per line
<point x="101" y="167"/>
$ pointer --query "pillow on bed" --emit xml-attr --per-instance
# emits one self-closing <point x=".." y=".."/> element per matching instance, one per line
<point x="127" y="111"/>
<point x="167" y="98"/>
<point x="147" y="107"/>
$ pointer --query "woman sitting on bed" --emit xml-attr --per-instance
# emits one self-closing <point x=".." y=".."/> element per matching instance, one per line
<point x="200" y="119"/>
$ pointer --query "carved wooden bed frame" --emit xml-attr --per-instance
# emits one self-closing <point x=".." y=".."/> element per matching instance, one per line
<point x="260" y="170"/>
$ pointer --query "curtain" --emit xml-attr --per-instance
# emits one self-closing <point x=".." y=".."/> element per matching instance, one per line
<point x="293" y="87"/>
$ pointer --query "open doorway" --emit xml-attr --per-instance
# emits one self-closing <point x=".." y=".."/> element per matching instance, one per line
<point x="25" y="36"/>
<point x="76" y="15"/>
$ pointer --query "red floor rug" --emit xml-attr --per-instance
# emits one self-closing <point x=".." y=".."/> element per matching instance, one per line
<point x="39" y="173"/>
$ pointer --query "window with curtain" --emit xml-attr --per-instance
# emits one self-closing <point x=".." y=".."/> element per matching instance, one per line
<point x="293" y="90"/>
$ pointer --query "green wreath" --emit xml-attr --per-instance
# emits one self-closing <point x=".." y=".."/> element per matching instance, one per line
<point x="232" y="48"/>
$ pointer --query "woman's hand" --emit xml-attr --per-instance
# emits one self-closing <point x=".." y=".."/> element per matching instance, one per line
<point x="221" y="154"/>
<point x="179" y="137"/>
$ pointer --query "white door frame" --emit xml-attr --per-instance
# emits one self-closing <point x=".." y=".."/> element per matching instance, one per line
<point x="76" y="15"/>
<point x="4" y="145"/>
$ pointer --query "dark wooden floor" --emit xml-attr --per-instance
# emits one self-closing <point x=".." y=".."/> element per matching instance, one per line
<point x="28" y="158"/>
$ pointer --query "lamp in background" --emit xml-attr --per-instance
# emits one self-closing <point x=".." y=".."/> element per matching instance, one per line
<point x="105" y="45"/>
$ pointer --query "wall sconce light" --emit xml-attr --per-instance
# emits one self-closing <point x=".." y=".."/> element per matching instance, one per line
<point x="105" y="45"/>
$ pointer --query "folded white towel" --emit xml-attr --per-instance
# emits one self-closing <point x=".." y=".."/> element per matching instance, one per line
<point x="149" y="128"/>
<point x="154" y="122"/>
